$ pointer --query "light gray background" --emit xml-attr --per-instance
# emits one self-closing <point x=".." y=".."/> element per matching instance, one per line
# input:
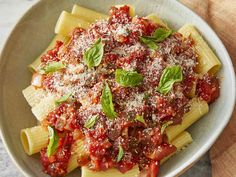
<point x="10" y="12"/>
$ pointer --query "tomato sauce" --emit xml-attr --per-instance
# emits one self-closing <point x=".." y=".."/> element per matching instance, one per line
<point x="56" y="165"/>
<point x="142" y="143"/>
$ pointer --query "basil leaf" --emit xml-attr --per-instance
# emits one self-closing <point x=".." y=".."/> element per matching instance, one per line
<point x="120" y="154"/>
<point x="90" y="122"/>
<point x="169" y="76"/>
<point x="161" y="34"/>
<point x="63" y="98"/>
<point x="140" y="119"/>
<point x="107" y="104"/>
<point x="165" y="125"/>
<point x="53" y="141"/>
<point x="93" y="56"/>
<point x="128" y="78"/>
<point x="53" y="66"/>
<point x="149" y="42"/>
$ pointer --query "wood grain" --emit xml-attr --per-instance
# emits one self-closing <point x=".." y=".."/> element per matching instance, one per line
<point x="220" y="15"/>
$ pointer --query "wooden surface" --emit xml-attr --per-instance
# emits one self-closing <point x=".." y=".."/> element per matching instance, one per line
<point x="221" y="16"/>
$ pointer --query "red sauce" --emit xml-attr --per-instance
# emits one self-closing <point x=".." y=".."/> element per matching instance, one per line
<point x="64" y="117"/>
<point x="56" y="165"/>
<point x="52" y="55"/>
<point x="142" y="143"/>
<point x="208" y="88"/>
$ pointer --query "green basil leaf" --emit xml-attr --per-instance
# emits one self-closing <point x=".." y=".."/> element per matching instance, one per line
<point x="149" y="42"/>
<point x="53" y="141"/>
<point x="169" y="76"/>
<point x="140" y="119"/>
<point x="107" y="104"/>
<point x="128" y="78"/>
<point x="120" y="154"/>
<point x="90" y="122"/>
<point x="93" y="56"/>
<point x="63" y="98"/>
<point x="165" y="125"/>
<point x="53" y="66"/>
<point x="161" y="34"/>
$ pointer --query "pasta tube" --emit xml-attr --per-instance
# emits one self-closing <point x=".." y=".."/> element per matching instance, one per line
<point x="34" y="139"/>
<point x="67" y="22"/>
<point x="35" y="65"/>
<point x="45" y="106"/>
<point x="180" y="142"/>
<point x="78" y="152"/>
<point x="33" y="96"/>
<point x="87" y="14"/>
<point x="108" y="173"/>
<point x="208" y="61"/>
<point x="155" y="19"/>
<point x="197" y="110"/>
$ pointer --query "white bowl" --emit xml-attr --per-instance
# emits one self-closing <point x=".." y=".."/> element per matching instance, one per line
<point x="33" y="33"/>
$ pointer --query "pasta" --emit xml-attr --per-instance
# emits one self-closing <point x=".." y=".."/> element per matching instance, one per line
<point x="34" y="139"/>
<point x="78" y="153"/>
<point x="111" y="172"/>
<point x="67" y="22"/>
<point x="180" y="142"/>
<point x="45" y="106"/>
<point x="115" y="94"/>
<point x="87" y="14"/>
<point x="197" y="110"/>
<point x="33" y="96"/>
<point x="208" y="62"/>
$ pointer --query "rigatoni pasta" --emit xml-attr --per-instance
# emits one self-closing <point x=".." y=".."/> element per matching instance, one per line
<point x="87" y="14"/>
<point x="33" y="95"/>
<point x="44" y="107"/>
<point x="34" y="139"/>
<point x="198" y="108"/>
<point x="67" y="22"/>
<point x="208" y="62"/>
<point x="114" y="94"/>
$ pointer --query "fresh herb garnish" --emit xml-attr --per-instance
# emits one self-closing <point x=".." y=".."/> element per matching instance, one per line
<point x="53" y="141"/>
<point x="120" y="154"/>
<point x="93" y="56"/>
<point x="52" y="67"/>
<point x="128" y="78"/>
<point x="90" y="122"/>
<point x="149" y="42"/>
<point x="159" y="35"/>
<point x="165" y="125"/>
<point x="107" y="104"/>
<point x="64" y="98"/>
<point x="169" y="76"/>
<point x="140" y="119"/>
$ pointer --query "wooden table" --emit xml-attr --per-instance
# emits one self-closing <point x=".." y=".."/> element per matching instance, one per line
<point x="221" y="16"/>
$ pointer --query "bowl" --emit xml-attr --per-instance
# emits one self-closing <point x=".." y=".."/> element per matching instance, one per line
<point x="33" y="33"/>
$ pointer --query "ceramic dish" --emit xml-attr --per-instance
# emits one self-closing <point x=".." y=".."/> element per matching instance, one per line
<point x="32" y="34"/>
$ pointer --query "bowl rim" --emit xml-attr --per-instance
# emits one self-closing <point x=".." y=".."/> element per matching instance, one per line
<point x="195" y="157"/>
